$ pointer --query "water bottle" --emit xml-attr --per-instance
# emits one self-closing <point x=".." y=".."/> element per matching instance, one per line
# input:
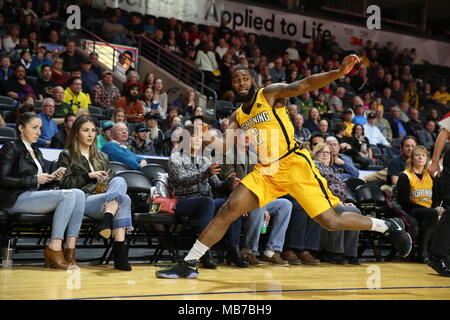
<point x="264" y="228"/>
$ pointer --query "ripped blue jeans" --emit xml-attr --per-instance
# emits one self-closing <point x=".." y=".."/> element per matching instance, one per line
<point x="117" y="189"/>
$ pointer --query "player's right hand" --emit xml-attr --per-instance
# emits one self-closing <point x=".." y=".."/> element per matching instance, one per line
<point x="434" y="169"/>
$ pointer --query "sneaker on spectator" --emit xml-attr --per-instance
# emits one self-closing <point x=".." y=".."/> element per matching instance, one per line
<point x="306" y="258"/>
<point x="291" y="257"/>
<point x="275" y="260"/>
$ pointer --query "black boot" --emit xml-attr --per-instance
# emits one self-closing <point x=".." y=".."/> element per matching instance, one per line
<point x="106" y="225"/>
<point x="207" y="260"/>
<point x="424" y="244"/>
<point x="234" y="256"/>
<point x="120" y="254"/>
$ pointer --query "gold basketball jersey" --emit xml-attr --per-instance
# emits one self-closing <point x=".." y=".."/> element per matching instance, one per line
<point x="421" y="191"/>
<point x="269" y="129"/>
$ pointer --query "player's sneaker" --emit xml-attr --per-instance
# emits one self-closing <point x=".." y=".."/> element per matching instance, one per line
<point x="440" y="264"/>
<point x="185" y="269"/>
<point x="397" y="235"/>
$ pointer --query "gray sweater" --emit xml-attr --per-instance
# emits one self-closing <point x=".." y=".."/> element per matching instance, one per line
<point x="190" y="177"/>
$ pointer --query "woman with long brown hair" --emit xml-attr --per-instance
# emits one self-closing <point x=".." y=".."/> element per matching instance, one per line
<point x="89" y="170"/>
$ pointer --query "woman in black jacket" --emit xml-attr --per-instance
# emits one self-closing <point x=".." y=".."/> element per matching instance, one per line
<point x="26" y="187"/>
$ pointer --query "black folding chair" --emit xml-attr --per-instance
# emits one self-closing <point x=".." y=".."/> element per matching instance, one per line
<point x="117" y="166"/>
<point x="151" y="170"/>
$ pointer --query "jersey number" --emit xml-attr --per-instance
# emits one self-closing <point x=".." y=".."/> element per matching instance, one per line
<point x="256" y="137"/>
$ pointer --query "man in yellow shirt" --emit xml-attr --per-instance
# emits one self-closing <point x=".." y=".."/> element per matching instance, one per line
<point x="347" y="117"/>
<point x="442" y="95"/>
<point x="75" y="97"/>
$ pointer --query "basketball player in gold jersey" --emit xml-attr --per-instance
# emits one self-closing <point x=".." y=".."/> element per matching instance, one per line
<point x="283" y="168"/>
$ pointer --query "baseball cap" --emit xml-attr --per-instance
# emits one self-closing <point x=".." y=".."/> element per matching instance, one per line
<point x="346" y="111"/>
<point x="107" y="125"/>
<point x="141" y="127"/>
<point x="371" y="116"/>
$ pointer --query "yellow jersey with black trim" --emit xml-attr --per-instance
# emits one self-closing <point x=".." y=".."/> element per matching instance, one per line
<point x="270" y="129"/>
<point x="420" y="190"/>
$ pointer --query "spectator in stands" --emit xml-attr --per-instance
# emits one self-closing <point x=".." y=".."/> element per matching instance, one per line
<point x="88" y="77"/>
<point x="150" y="106"/>
<point x="156" y="134"/>
<point x="192" y="176"/>
<point x="59" y="140"/>
<point x="398" y="163"/>
<point x="342" y="164"/>
<point x="373" y="133"/>
<point x="361" y="145"/>
<point x="149" y="26"/>
<point x="359" y="117"/>
<point x="18" y="85"/>
<point x="313" y="120"/>
<point x="335" y="102"/>
<point x="404" y="111"/>
<point x="386" y="100"/>
<point x="159" y="95"/>
<point x="158" y="37"/>
<point x="341" y="247"/>
<point x="132" y="78"/>
<point x="39" y="60"/>
<point x="25" y="186"/>
<point x="140" y="142"/>
<point x="135" y="27"/>
<point x="58" y="75"/>
<point x="427" y="135"/>
<point x="134" y="108"/>
<point x="277" y="73"/>
<point x="49" y="127"/>
<point x="118" y="116"/>
<point x="95" y="66"/>
<point x="301" y="134"/>
<point x="206" y="61"/>
<point x="382" y="124"/>
<point x="72" y="59"/>
<point x="414" y="194"/>
<point x="54" y="46"/>
<point x="411" y="95"/>
<point x="347" y="117"/>
<point x="173" y="123"/>
<point x="6" y="71"/>
<point x="26" y="104"/>
<point x="360" y="81"/>
<point x="414" y="125"/>
<point x="90" y="170"/>
<point x="11" y="39"/>
<point x="441" y="95"/>
<point x="222" y="48"/>
<point x="105" y="93"/>
<point x="186" y="103"/>
<point x="25" y="60"/>
<point x="45" y="84"/>
<point x="75" y="97"/>
<point x="172" y="44"/>
<point x="306" y="103"/>
<point x="397" y="125"/>
<point x="62" y="109"/>
<point x="106" y="134"/>
<point x="324" y="128"/>
<point x="117" y="149"/>
<point x="115" y="32"/>
<point x="147" y="81"/>
<point x="3" y="26"/>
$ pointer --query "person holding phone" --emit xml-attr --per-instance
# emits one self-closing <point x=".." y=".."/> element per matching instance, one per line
<point x="90" y="170"/>
<point x="26" y="186"/>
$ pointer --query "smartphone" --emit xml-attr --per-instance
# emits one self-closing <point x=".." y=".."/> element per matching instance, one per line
<point x="63" y="169"/>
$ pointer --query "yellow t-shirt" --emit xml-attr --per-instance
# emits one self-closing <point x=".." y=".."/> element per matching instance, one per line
<point x="82" y="100"/>
<point x="442" y="97"/>
<point x="269" y="129"/>
<point x="421" y="191"/>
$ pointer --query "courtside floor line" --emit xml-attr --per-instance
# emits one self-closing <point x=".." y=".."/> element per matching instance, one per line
<point x="262" y="291"/>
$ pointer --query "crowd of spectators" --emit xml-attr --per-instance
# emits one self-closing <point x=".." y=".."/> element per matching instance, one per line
<point x="365" y="119"/>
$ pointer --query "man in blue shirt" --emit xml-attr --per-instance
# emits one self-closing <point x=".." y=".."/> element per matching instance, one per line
<point x="49" y="127"/>
<point x="398" y="163"/>
<point x="397" y="125"/>
<point x="117" y="149"/>
<point x="88" y="77"/>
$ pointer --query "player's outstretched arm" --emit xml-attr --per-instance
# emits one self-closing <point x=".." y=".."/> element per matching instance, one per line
<point x="438" y="147"/>
<point x="314" y="82"/>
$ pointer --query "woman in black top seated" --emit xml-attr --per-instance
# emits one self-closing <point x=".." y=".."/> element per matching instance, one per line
<point x="361" y="146"/>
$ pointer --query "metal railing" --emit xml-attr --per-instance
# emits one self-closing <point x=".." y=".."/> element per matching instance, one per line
<point x="181" y="69"/>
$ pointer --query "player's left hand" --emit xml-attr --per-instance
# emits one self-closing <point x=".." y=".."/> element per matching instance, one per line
<point x="348" y="63"/>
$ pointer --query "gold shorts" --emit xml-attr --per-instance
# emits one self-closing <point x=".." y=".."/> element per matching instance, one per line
<point x="296" y="175"/>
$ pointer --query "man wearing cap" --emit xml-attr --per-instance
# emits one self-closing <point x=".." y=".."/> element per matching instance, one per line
<point x="374" y="134"/>
<point x="88" y="77"/>
<point x="39" y="60"/>
<point x="106" y="134"/>
<point x="347" y="117"/>
<point x="75" y="97"/>
<point x="105" y="94"/>
<point x="140" y="142"/>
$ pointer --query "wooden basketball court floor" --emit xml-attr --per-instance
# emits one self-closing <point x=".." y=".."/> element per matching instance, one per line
<point x="369" y="281"/>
